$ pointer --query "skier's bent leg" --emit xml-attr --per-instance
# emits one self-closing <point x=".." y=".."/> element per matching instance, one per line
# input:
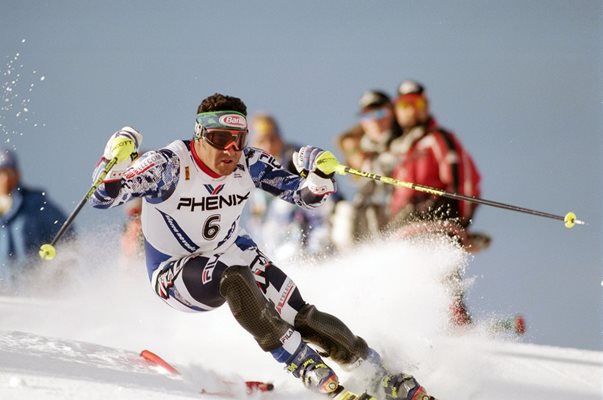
<point x="339" y="343"/>
<point x="251" y="309"/>
<point x="259" y="317"/>
<point x="331" y="334"/>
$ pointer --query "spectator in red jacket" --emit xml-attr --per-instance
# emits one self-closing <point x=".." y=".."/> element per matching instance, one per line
<point x="433" y="156"/>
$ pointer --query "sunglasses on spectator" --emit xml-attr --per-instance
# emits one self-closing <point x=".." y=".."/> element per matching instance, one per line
<point x="374" y="114"/>
<point x="417" y="102"/>
<point x="223" y="139"/>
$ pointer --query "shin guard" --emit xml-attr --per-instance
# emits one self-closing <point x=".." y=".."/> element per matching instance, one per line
<point x="331" y="335"/>
<point x="251" y="309"/>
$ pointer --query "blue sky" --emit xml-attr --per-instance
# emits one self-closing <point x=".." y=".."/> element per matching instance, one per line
<point x="520" y="82"/>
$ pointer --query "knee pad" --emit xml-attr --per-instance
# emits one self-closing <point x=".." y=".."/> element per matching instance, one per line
<point x="251" y="309"/>
<point x="332" y="335"/>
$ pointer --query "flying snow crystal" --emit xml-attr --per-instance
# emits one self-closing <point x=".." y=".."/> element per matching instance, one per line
<point x="15" y="108"/>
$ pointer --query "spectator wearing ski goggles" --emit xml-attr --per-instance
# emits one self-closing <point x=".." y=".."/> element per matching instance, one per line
<point x="374" y="115"/>
<point x="411" y="107"/>
<point x="376" y="118"/>
<point x="412" y="100"/>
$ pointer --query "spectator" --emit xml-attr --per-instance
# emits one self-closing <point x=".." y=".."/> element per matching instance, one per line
<point x="279" y="225"/>
<point x="366" y="146"/>
<point x="431" y="155"/>
<point x="349" y="145"/>
<point x="28" y="219"/>
<point x="343" y="221"/>
<point x="267" y="136"/>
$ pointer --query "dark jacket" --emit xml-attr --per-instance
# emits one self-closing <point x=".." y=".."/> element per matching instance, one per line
<point x="31" y="221"/>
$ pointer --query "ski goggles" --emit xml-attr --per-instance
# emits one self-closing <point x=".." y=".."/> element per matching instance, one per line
<point x="373" y="115"/>
<point x="412" y="100"/>
<point x="223" y="139"/>
<point x="222" y="129"/>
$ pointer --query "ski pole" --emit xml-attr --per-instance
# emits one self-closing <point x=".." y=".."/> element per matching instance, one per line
<point x="329" y="164"/>
<point x="122" y="149"/>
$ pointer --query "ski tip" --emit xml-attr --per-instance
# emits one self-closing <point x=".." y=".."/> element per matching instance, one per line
<point x="158" y="361"/>
<point x="257" y="386"/>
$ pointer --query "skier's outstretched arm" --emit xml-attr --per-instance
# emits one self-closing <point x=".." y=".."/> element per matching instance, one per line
<point x="309" y="192"/>
<point x="153" y="175"/>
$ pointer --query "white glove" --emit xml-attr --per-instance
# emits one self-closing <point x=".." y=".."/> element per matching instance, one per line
<point x="305" y="161"/>
<point x="124" y="145"/>
<point x="317" y="180"/>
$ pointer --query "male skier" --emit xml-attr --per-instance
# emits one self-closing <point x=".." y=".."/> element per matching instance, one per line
<point x="198" y="257"/>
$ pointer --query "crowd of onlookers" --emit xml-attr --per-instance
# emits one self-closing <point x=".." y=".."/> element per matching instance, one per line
<point x="397" y="137"/>
<point x="400" y="137"/>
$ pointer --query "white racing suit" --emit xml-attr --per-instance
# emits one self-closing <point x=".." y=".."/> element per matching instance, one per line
<point x="193" y="243"/>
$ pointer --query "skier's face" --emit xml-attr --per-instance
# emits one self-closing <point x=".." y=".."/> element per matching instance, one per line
<point x="220" y="137"/>
<point x="222" y="162"/>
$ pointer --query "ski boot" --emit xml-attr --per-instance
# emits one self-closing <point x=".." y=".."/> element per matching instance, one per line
<point x="308" y="366"/>
<point x="372" y="368"/>
<point x="379" y="381"/>
<point x="403" y="387"/>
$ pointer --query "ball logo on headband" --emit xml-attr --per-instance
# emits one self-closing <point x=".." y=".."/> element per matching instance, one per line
<point x="233" y="120"/>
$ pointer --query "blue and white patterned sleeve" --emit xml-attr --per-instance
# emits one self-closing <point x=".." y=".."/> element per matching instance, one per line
<point x="153" y="176"/>
<point x="268" y="175"/>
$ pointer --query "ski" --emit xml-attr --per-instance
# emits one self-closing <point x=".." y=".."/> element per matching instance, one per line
<point x="251" y="387"/>
<point x="159" y="362"/>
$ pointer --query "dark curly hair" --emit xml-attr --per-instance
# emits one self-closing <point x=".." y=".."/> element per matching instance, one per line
<point x="220" y="102"/>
